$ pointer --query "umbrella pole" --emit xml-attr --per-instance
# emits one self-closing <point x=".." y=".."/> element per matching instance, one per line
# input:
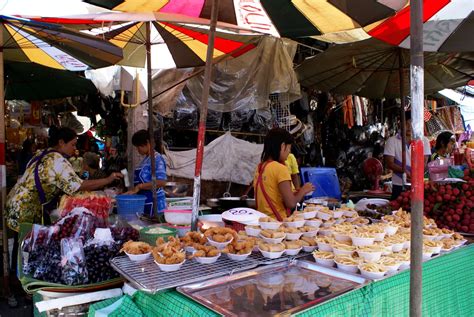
<point x="3" y="176"/>
<point x="417" y="158"/>
<point x="150" y="119"/>
<point x="402" y="112"/>
<point x="203" y="115"/>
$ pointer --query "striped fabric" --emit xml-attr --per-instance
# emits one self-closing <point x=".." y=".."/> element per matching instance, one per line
<point x="448" y="25"/>
<point x="55" y="46"/>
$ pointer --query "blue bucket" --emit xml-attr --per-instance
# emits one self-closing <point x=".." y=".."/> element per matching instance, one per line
<point x="130" y="204"/>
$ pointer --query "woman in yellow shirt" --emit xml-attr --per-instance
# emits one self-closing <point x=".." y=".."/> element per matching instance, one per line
<point x="272" y="180"/>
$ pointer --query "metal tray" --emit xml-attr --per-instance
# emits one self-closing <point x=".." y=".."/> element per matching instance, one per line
<point x="280" y="289"/>
<point x="147" y="276"/>
<point x="257" y="256"/>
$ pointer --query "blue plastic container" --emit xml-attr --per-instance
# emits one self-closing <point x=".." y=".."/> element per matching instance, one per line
<point x="324" y="179"/>
<point x="130" y="204"/>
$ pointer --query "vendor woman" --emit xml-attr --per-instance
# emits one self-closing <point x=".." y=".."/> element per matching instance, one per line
<point x="445" y="143"/>
<point x="142" y="179"/>
<point x="48" y="175"/>
<point x="272" y="182"/>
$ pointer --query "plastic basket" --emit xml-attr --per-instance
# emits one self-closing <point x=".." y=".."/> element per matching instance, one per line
<point x="150" y="238"/>
<point x="130" y="204"/>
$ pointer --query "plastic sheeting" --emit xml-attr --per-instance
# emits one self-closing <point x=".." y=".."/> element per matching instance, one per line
<point x="226" y="159"/>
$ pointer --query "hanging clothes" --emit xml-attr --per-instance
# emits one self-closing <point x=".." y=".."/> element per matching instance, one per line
<point x="358" y="109"/>
<point x="348" y="107"/>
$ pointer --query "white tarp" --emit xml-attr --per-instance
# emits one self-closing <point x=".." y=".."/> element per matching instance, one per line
<point x="226" y="159"/>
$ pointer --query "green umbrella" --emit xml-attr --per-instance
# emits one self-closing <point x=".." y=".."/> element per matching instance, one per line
<point x="30" y="81"/>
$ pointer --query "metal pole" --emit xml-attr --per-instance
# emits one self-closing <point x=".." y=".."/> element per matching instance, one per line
<point x="150" y="119"/>
<point x="203" y="115"/>
<point x="3" y="176"/>
<point x="402" y="111"/>
<point x="417" y="160"/>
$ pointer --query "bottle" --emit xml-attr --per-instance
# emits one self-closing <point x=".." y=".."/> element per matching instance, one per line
<point x="125" y="177"/>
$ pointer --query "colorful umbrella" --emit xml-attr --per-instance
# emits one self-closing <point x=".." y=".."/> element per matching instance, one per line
<point x="447" y="27"/>
<point x="55" y="46"/>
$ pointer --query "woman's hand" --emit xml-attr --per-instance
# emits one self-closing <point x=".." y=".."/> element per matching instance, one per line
<point x="133" y="191"/>
<point x="307" y="188"/>
<point x="114" y="176"/>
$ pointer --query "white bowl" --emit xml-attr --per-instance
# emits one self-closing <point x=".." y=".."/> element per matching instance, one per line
<point x="270" y="225"/>
<point x="407" y="244"/>
<point x="325" y="262"/>
<point x="404" y="265"/>
<point x="339" y="221"/>
<point x="427" y="256"/>
<point x="295" y="224"/>
<point x="391" y="230"/>
<point x="219" y="245"/>
<point x="271" y="255"/>
<point x="189" y="249"/>
<point x="294" y="236"/>
<point x="372" y="275"/>
<point x="309" y="214"/>
<point x="397" y="247"/>
<point x="238" y="257"/>
<point x="447" y="235"/>
<point x="341" y="252"/>
<point x="350" y="213"/>
<point x="325" y="232"/>
<point x="439" y="238"/>
<point x="362" y="242"/>
<point x="309" y="248"/>
<point x="328" y="224"/>
<point x="252" y="232"/>
<point x="323" y="215"/>
<point x="313" y="223"/>
<point x="435" y="250"/>
<point x="170" y="267"/>
<point x="272" y="240"/>
<point x="432" y="238"/>
<point x="338" y="214"/>
<point x="138" y="257"/>
<point x="324" y="246"/>
<point x="310" y="234"/>
<point x="347" y="268"/>
<point x="387" y="250"/>
<point x="207" y="260"/>
<point x="370" y="256"/>
<point x="447" y="250"/>
<point x="379" y="236"/>
<point x="342" y="237"/>
<point x="393" y="268"/>
<point x="293" y="251"/>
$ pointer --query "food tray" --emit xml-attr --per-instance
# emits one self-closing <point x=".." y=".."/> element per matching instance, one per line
<point x="147" y="276"/>
<point x="280" y="289"/>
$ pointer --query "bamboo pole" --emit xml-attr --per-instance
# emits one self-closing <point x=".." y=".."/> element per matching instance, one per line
<point x="203" y="115"/>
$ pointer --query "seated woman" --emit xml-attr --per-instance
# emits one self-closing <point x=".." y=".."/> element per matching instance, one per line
<point x="444" y="145"/>
<point x="272" y="181"/>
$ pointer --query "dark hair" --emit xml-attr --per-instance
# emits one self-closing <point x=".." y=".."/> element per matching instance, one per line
<point x="443" y="140"/>
<point x="91" y="159"/>
<point x="273" y="141"/>
<point x="56" y="134"/>
<point x="27" y="146"/>
<point x="140" y="138"/>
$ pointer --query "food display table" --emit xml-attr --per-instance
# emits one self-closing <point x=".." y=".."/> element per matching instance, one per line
<point x="447" y="291"/>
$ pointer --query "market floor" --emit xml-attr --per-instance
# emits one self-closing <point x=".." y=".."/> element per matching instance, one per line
<point x="24" y="307"/>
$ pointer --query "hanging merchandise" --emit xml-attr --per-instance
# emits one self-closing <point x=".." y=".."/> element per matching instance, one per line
<point x="457" y="120"/>
<point x="359" y="113"/>
<point x="348" y="115"/>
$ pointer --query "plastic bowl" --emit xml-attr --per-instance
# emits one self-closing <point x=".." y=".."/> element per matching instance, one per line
<point x="392" y="268"/>
<point x="325" y="232"/>
<point x="324" y="246"/>
<point x="325" y="262"/>
<point x="270" y="225"/>
<point x="272" y="240"/>
<point x="427" y="256"/>
<point x="138" y="257"/>
<point x="391" y="230"/>
<point x="238" y="257"/>
<point x="432" y="238"/>
<point x="313" y="223"/>
<point x="372" y="275"/>
<point x="293" y="251"/>
<point x="324" y="216"/>
<point x="379" y="236"/>
<point x="339" y="221"/>
<point x="295" y="224"/>
<point x="341" y="252"/>
<point x="253" y="232"/>
<point x="407" y="244"/>
<point x="219" y="245"/>
<point x="178" y="216"/>
<point x="328" y="224"/>
<point x="370" y="256"/>
<point x="342" y="237"/>
<point x="310" y="233"/>
<point x="207" y="260"/>
<point x="309" y="248"/>
<point x="350" y="213"/>
<point x="294" y="236"/>
<point x="362" y="242"/>
<point x="404" y="265"/>
<point x="170" y="267"/>
<point x="397" y="247"/>
<point x="338" y="214"/>
<point x="347" y="268"/>
<point x="309" y="214"/>
<point x="271" y="255"/>
<point x="435" y="250"/>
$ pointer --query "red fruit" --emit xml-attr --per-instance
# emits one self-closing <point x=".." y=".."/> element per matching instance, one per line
<point x="449" y="187"/>
<point x="465" y="187"/>
<point x="456" y="191"/>
<point x="471" y="227"/>
<point x="400" y="198"/>
<point x="456" y="217"/>
<point x="447" y="197"/>
<point x="432" y="199"/>
<point x="405" y="200"/>
<point x="439" y="198"/>
<point x="449" y="218"/>
<point x="468" y="194"/>
<point x="465" y="228"/>
<point x="465" y="222"/>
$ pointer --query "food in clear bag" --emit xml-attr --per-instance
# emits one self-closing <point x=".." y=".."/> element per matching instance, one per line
<point x="98" y="252"/>
<point x="79" y="223"/>
<point x="49" y="269"/>
<point x="124" y="234"/>
<point x="73" y="262"/>
<point x="35" y="246"/>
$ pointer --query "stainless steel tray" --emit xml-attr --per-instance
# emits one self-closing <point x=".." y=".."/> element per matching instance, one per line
<point x="148" y="277"/>
<point x="280" y="289"/>
<point x="257" y="256"/>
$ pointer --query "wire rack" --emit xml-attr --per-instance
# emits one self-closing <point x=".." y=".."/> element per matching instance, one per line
<point x="257" y="256"/>
<point x="280" y="107"/>
<point x="148" y="277"/>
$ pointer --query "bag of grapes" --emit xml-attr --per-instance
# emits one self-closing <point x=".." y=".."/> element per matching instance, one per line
<point x="34" y="247"/>
<point x="79" y="223"/>
<point x="98" y="252"/>
<point x="49" y="269"/>
<point x="73" y="262"/>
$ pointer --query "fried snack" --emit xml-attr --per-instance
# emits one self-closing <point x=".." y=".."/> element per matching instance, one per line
<point x="308" y="229"/>
<point x="448" y="243"/>
<point x="457" y="236"/>
<point x="135" y="247"/>
<point x="292" y="244"/>
<point x="346" y="260"/>
<point x="387" y="261"/>
<point x="401" y="256"/>
<point x="323" y="255"/>
<point x="432" y="244"/>
<point x="169" y="255"/>
<point x="343" y="247"/>
<point x="371" y="248"/>
<point x="325" y="239"/>
<point x="360" y="221"/>
<point x="293" y="218"/>
<point x="311" y="241"/>
<point x="447" y="231"/>
<point x="267" y="219"/>
<point x="220" y="234"/>
<point x="373" y="267"/>
<point x="272" y="234"/>
<point x="172" y="241"/>
<point x="240" y="247"/>
<point x="375" y="228"/>
<point x="290" y="230"/>
<point x="192" y="237"/>
<point x="205" y="251"/>
<point x="271" y="247"/>
<point x="361" y="233"/>
<point x="395" y="239"/>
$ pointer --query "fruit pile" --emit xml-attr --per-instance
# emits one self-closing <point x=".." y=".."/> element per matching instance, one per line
<point x="99" y="205"/>
<point x="450" y="205"/>
<point x="124" y="234"/>
<point x="97" y="259"/>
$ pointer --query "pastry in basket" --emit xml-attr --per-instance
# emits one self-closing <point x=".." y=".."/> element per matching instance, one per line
<point x="135" y="247"/>
<point x="267" y="219"/>
<point x="204" y="251"/>
<point x="292" y="244"/>
<point x="192" y="237"/>
<point x="279" y="247"/>
<point x="219" y="234"/>
<point x="168" y="255"/>
<point x="308" y="241"/>
<point x="272" y="234"/>
<point x="239" y="247"/>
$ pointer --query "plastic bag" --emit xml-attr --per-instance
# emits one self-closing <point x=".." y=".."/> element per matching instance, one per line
<point x="98" y="252"/>
<point x="49" y="269"/>
<point x="73" y="262"/>
<point x="98" y="205"/>
<point x="35" y="246"/>
<point x="79" y="223"/>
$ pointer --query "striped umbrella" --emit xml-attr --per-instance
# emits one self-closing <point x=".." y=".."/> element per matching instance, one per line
<point x="448" y="26"/>
<point x="54" y="46"/>
<point x="286" y="18"/>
